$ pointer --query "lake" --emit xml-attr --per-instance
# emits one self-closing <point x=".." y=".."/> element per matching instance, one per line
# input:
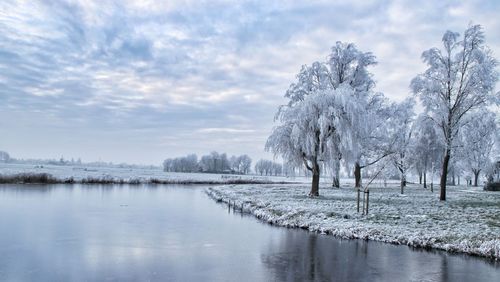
<point x="177" y="233"/>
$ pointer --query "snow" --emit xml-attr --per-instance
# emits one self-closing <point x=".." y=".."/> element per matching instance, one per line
<point x="134" y="175"/>
<point x="468" y="222"/>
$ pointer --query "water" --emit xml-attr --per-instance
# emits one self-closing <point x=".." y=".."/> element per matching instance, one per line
<point x="176" y="233"/>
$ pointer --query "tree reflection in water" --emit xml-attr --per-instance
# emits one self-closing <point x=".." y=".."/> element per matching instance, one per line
<point x="305" y="256"/>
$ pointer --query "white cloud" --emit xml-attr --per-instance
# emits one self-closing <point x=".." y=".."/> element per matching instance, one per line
<point x="188" y="68"/>
<point x="224" y="130"/>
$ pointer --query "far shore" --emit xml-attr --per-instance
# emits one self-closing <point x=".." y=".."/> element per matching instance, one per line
<point x="45" y="178"/>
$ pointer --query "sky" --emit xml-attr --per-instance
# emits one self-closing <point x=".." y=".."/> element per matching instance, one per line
<point x="141" y="81"/>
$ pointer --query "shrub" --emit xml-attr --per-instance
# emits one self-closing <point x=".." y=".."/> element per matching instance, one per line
<point x="492" y="186"/>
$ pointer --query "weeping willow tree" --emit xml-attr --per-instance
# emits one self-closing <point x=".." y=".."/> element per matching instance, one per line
<point x="313" y="131"/>
<point x="331" y="115"/>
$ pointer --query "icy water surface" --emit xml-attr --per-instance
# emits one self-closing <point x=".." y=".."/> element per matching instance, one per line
<point x="176" y="233"/>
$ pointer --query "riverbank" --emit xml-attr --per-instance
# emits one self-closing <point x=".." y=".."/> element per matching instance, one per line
<point x="45" y="178"/>
<point x="468" y="222"/>
<point x="11" y="173"/>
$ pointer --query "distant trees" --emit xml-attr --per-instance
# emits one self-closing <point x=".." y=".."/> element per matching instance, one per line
<point x="212" y="163"/>
<point x="427" y="147"/>
<point x="240" y="164"/>
<point x="188" y="163"/>
<point x="402" y="131"/>
<point x="461" y="77"/>
<point x="267" y="167"/>
<point x="477" y="140"/>
<point x="4" y="157"/>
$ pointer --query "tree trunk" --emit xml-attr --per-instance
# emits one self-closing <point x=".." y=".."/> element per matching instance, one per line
<point x="336" y="174"/>
<point x="336" y="182"/>
<point x="315" y="181"/>
<point x="357" y="175"/>
<point x="476" y="176"/>
<point x="444" y="176"/>
<point x="403" y="183"/>
<point x="425" y="180"/>
<point x="419" y="178"/>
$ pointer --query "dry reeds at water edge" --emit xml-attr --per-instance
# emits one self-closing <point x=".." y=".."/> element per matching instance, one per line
<point x="46" y="178"/>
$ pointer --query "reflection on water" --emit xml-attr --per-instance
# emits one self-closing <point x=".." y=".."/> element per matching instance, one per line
<point x="176" y="233"/>
<point x="302" y="256"/>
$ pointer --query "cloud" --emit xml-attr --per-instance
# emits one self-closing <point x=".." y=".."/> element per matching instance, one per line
<point x="191" y="75"/>
<point x="224" y="130"/>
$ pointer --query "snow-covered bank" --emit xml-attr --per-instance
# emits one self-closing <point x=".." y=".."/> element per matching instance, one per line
<point x="469" y="222"/>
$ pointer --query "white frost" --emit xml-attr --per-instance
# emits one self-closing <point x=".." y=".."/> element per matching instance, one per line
<point x="469" y="222"/>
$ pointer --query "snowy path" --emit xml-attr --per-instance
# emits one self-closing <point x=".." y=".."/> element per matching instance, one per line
<point x="467" y="222"/>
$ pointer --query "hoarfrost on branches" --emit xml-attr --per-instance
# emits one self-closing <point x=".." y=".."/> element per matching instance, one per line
<point x="327" y="105"/>
<point x="460" y="78"/>
<point x="477" y="140"/>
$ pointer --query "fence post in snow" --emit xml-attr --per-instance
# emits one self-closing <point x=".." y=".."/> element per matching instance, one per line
<point x="357" y="188"/>
<point x="367" y="200"/>
<point x="364" y="201"/>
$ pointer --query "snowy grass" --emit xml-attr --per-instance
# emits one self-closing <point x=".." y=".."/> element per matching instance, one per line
<point x="468" y="222"/>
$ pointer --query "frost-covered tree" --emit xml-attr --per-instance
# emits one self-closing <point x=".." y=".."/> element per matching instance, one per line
<point x="402" y="129"/>
<point x="310" y="79"/>
<point x="214" y="162"/>
<point x="372" y="141"/>
<point x="308" y="129"/>
<point x="234" y="164"/>
<point x="277" y="169"/>
<point x="344" y="70"/>
<point x="460" y="78"/>
<point x="245" y="164"/>
<point x="427" y="147"/>
<point x="188" y="163"/>
<point x="263" y="167"/>
<point x="477" y="140"/>
<point x="240" y="164"/>
<point x="268" y="167"/>
<point x="346" y="66"/>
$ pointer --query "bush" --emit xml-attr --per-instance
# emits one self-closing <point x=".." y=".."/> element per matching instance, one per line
<point x="492" y="186"/>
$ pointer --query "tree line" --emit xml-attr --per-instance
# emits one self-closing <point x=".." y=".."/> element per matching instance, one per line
<point x="211" y="163"/>
<point x="267" y="167"/>
<point x="334" y="118"/>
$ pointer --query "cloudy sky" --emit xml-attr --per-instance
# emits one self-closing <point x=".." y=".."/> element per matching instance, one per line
<point x="140" y="81"/>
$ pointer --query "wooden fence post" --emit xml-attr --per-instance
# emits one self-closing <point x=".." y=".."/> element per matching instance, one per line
<point x="367" y="200"/>
<point x="358" y="198"/>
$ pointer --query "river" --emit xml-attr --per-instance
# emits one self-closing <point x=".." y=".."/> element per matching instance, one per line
<point x="177" y="233"/>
